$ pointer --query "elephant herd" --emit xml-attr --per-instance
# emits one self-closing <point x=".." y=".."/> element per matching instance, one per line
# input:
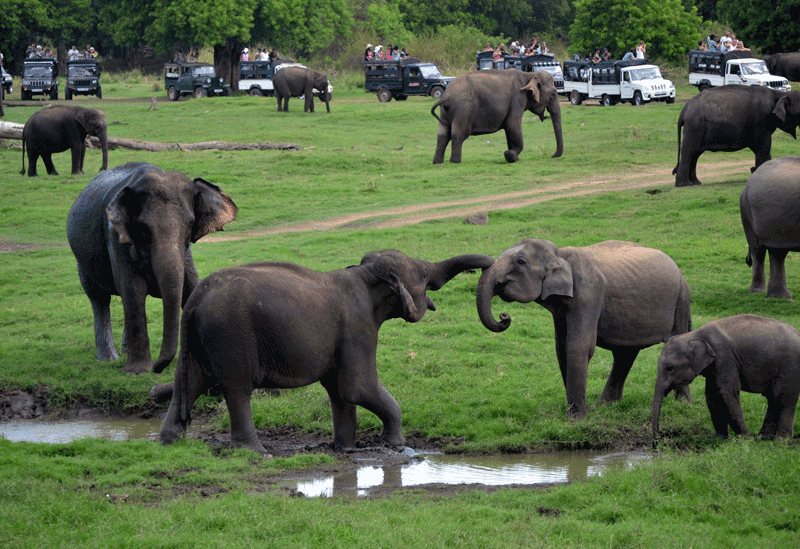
<point x="280" y="325"/>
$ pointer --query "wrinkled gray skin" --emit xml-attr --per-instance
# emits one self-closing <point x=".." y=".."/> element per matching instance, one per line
<point x="130" y="230"/>
<point x="615" y="295"/>
<point x="488" y="101"/>
<point x="62" y="128"/>
<point x="297" y="81"/>
<point x="770" y="209"/>
<point x="279" y="325"/>
<point x="784" y="64"/>
<point x="739" y="353"/>
<point x="731" y="118"/>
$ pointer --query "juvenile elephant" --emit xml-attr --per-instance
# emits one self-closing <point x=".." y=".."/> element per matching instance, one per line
<point x="730" y="118"/>
<point x="59" y="128"/>
<point x="615" y="295"/>
<point x="770" y="209"/>
<point x="739" y="353"/>
<point x="130" y="230"/>
<point x="296" y="81"/>
<point x="784" y="64"/>
<point x="491" y="100"/>
<point x="280" y="325"/>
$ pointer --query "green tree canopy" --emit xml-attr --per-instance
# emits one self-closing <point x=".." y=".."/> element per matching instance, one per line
<point x="666" y="27"/>
<point x="770" y="25"/>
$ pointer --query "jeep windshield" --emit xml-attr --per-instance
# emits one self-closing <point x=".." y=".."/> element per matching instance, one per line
<point x="650" y="73"/>
<point x="555" y="70"/>
<point x="38" y="70"/>
<point x="429" y="71"/>
<point x="757" y="67"/>
<point x="82" y="70"/>
<point x="203" y="71"/>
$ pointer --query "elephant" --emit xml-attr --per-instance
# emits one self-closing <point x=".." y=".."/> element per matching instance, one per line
<point x="738" y="353"/>
<point x="770" y="209"/>
<point x="730" y="118"/>
<point x="296" y="81"/>
<point x="491" y="100"/>
<point x="784" y="64"/>
<point x="59" y="128"/>
<point x="281" y="325"/>
<point x="615" y="295"/>
<point x="130" y="230"/>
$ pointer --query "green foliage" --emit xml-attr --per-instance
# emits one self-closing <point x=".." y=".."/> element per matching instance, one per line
<point x="666" y="27"/>
<point x="770" y="26"/>
<point x="306" y="26"/>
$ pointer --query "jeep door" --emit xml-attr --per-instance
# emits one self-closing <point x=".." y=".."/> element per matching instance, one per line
<point x="412" y="81"/>
<point x="185" y="81"/>
<point x="625" y="85"/>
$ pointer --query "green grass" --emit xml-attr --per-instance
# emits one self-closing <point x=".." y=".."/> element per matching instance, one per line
<point x="453" y="378"/>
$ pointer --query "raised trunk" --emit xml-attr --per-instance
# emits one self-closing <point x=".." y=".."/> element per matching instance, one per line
<point x="555" y="116"/>
<point x="104" y="145"/>
<point x="170" y="283"/>
<point x="445" y="270"/>
<point x="483" y="297"/>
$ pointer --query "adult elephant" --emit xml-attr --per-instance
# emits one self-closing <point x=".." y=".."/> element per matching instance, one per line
<point x="296" y="81"/>
<point x="130" y="230"/>
<point x="615" y="295"/>
<point x="280" y="325"/>
<point x="770" y="210"/>
<point x="60" y="128"/>
<point x="739" y="353"/>
<point x="784" y="64"/>
<point x="491" y="100"/>
<point x="731" y="118"/>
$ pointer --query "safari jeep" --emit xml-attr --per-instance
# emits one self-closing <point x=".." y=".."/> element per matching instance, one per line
<point x="611" y="82"/>
<point x="83" y="78"/>
<point x="39" y="77"/>
<point x="255" y="77"/>
<point x="399" y="79"/>
<point x="195" y="79"/>
<point x="709" y="69"/>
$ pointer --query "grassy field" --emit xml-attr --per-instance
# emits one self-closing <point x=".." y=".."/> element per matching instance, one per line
<point x="454" y="379"/>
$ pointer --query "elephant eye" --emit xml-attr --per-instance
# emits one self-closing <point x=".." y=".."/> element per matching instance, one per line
<point x="520" y="261"/>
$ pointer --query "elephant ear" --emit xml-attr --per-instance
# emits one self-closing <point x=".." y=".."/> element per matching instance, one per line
<point x="557" y="279"/>
<point x="117" y="214"/>
<point x="702" y="355"/>
<point x="212" y="209"/>
<point x="533" y="87"/>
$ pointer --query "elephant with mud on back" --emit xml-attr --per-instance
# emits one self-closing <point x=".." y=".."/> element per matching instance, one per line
<point x="296" y="81"/>
<point x="131" y="231"/>
<point x="60" y="128"/>
<point x="488" y="101"/>
<point x="614" y="295"/>
<point x="784" y="64"/>
<point x="731" y="118"/>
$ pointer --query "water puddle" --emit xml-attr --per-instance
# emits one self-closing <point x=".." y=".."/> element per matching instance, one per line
<point x="503" y="470"/>
<point x="61" y="432"/>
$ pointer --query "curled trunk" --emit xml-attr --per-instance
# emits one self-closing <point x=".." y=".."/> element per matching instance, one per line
<point x="445" y="270"/>
<point x="483" y="297"/>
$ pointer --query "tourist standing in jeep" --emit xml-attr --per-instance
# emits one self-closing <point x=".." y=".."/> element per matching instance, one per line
<point x="83" y="78"/>
<point x="39" y="77"/>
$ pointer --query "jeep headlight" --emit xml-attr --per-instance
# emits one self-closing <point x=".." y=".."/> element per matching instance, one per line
<point x="208" y="81"/>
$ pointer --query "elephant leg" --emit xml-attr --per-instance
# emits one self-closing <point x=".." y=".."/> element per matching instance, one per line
<point x="135" y="337"/>
<point x="693" y="158"/>
<point x="187" y="386"/>
<point x="345" y="417"/>
<point x="777" y="275"/>
<point x="162" y="392"/>
<point x="360" y="385"/>
<point x="457" y="137"/>
<point x="718" y="411"/>
<point x="784" y="409"/>
<point x="759" y="279"/>
<point x="78" y="151"/>
<point x="243" y="430"/>
<point x="279" y="102"/>
<point x="574" y="364"/>
<point x="309" y="106"/>
<point x="514" y="143"/>
<point x="33" y="158"/>
<point x="762" y="151"/>
<point x="623" y="361"/>
<point x="442" y="140"/>
<point x="47" y="158"/>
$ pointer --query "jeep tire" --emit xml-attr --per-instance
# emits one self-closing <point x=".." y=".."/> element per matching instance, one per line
<point x="670" y="100"/>
<point x="255" y="92"/>
<point x="575" y="97"/>
<point x="200" y="92"/>
<point x="384" y="95"/>
<point x="606" y="101"/>
<point x="703" y="87"/>
<point x="637" y="99"/>
<point x="173" y="94"/>
<point x="436" y="92"/>
<point x="67" y="95"/>
<point x="54" y="94"/>
<point x="99" y="92"/>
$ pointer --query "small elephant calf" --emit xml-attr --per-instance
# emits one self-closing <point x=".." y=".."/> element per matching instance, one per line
<point x="739" y="353"/>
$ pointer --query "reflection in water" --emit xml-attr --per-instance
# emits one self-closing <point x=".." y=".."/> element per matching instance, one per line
<point x="501" y="470"/>
<point x="58" y="432"/>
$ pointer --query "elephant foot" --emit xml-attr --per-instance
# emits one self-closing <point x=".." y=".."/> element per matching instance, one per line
<point x="137" y="367"/>
<point x="780" y="293"/>
<point x="394" y="441"/>
<point x="438" y="160"/>
<point x="161" y="393"/>
<point x="696" y="182"/>
<point x="576" y="411"/>
<point x="251" y="444"/>
<point x="757" y="288"/>
<point x="684" y="183"/>
<point x="107" y="354"/>
<point x="511" y="156"/>
<point x="78" y="172"/>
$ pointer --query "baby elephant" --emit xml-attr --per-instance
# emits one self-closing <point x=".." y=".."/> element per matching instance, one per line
<point x="738" y="353"/>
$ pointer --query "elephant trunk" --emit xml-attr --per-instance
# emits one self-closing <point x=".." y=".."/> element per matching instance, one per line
<point x="104" y="146"/>
<point x="658" y="398"/>
<point x="170" y="281"/>
<point x="327" y="97"/>
<point x="555" y="115"/>
<point x="444" y="271"/>
<point x="483" y="297"/>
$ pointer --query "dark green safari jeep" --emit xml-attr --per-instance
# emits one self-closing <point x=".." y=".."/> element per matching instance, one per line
<point x="195" y="79"/>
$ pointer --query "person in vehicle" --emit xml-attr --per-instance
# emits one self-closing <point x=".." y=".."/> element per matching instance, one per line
<point x="368" y="53"/>
<point x="631" y="54"/>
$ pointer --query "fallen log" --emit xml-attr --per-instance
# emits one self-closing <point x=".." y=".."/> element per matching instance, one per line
<point x="12" y="130"/>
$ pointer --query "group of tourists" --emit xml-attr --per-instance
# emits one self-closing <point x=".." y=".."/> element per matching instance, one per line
<point x="37" y="51"/>
<point x="516" y="47"/>
<point x="389" y="53"/>
<point x="261" y="55"/>
<point x="723" y="44"/>
<point x="604" y="54"/>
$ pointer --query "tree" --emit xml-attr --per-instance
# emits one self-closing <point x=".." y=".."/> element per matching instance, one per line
<point x="666" y="27"/>
<point x="770" y="25"/>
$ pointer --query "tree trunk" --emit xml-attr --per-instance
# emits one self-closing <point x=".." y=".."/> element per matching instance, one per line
<point x="226" y="62"/>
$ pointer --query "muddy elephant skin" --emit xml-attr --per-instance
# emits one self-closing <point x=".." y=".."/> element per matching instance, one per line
<point x="732" y="118"/>
<point x="280" y="325"/>
<point x="488" y="101"/>
<point x="130" y="230"/>
<point x="614" y="295"/>
<point x="297" y="81"/>
<point x="62" y="128"/>
<point x="770" y="210"/>
<point x="739" y="353"/>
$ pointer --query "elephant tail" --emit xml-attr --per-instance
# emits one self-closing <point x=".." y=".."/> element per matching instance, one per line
<point x="438" y="103"/>
<point x="680" y="127"/>
<point x="23" y="156"/>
